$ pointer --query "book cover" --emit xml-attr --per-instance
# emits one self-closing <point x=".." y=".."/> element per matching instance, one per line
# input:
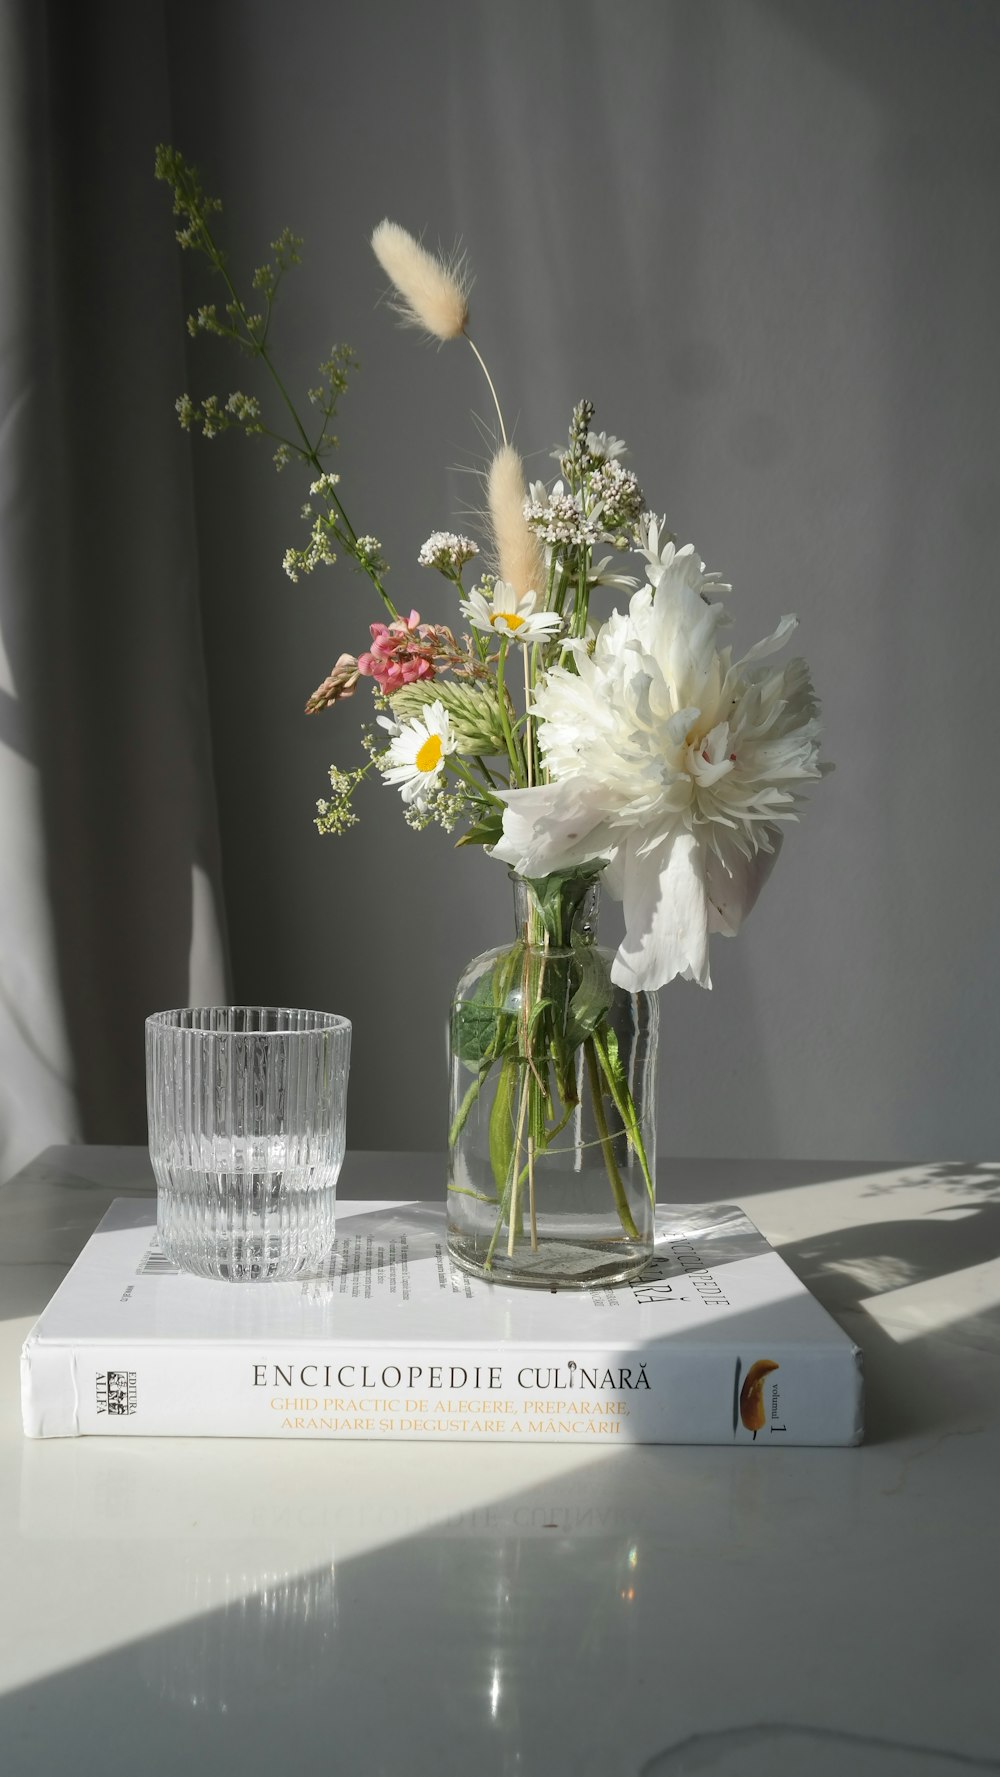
<point x="717" y="1343"/>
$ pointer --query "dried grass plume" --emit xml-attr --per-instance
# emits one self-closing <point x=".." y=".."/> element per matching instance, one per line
<point x="431" y="293"/>
<point x="520" y="560"/>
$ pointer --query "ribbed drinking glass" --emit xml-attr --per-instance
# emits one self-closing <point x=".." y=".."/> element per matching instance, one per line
<point x="247" y="1118"/>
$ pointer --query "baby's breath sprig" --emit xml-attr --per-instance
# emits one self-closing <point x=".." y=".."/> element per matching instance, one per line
<point x="334" y="813"/>
<point x="616" y="493"/>
<point x="448" y="553"/>
<point x="287" y="250"/>
<point x="245" y="328"/>
<point x="213" y="415"/>
<point x="443" y="808"/>
<point x="368" y="555"/>
<point x="334" y="371"/>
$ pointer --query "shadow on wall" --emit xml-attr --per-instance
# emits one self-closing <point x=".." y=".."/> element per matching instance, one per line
<point x="100" y="620"/>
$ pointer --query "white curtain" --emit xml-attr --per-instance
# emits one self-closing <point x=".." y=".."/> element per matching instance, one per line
<point x="109" y="901"/>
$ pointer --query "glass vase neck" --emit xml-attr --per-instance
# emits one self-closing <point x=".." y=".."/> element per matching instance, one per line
<point x="557" y="912"/>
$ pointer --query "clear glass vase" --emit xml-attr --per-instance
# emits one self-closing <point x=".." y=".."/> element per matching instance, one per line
<point x="553" y="1085"/>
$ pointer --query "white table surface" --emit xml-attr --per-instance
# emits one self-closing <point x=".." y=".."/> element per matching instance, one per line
<point x="176" y="1606"/>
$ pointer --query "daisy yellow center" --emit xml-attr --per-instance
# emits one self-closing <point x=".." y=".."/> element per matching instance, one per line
<point x="512" y="620"/>
<point x="429" y="755"/>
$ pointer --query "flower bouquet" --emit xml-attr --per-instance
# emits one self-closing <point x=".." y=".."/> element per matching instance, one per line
<point x="578" y="745"/>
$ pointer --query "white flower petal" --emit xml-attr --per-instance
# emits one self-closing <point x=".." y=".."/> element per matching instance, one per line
<point x="553" y="827"/>
<point x="676" y="728"/>
<point x="770" y="644"/>
<point x="510" y="614"/>
<point x="732" y="887"/>
<point x="666" y="915"/>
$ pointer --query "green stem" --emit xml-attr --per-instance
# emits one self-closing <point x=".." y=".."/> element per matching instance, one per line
<point x="306" y="448"/>
<point x="462" y="771"/>
<point x="614" y="1177"/>
<point x="553" y="560"/>
<point x="462" y="1114"/>
<point x="489" y="379"/>
<point x="625" y="1107"/>
<point x="513" y="749"/>
<point x="502" y="1213"/>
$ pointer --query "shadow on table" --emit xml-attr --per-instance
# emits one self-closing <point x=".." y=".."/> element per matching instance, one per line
<point x="661" y="1596"/>
<point x="600" y="1622"/>
<point x="910" y="1388"/>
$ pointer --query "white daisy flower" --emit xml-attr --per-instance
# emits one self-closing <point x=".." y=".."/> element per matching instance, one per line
<point x="604" y="573"/>
<point x="510" y="614"/>
<point x="414" y="759"/>
<point x="606" y="446"/>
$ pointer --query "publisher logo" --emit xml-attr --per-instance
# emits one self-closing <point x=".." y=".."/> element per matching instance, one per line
<point x="116" y="1392"/>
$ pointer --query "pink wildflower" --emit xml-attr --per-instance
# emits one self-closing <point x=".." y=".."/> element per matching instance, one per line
<point x="405" y="651"/>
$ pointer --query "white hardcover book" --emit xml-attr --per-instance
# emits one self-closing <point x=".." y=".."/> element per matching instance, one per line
<point x="718" y="1343"/>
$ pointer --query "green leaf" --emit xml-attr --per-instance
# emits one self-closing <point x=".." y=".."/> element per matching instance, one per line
<point x="473" y="1031"/>
<point x="485" y="831"/>
<point x="605" y="1047"/>
<point x="558" y="897"/>
<point x="474" y="1022"/>
<point x="594" y="994"/>
<point x="536" y="1012"/>
<point x="614" y="1058"/>
<point x="482" y="1026"/>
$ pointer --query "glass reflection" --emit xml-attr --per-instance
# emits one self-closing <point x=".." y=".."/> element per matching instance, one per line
<point x="224" y="1657"/>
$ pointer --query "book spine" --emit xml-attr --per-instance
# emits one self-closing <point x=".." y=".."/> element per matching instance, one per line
<point x="710" y="1393"/>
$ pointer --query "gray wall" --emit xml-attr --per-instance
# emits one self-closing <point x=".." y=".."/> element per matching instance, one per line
<point x="764" y="237"/>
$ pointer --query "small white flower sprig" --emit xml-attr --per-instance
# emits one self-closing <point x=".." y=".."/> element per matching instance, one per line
<point x="245" y="322"/>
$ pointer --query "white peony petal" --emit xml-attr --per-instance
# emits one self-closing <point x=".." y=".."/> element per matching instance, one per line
<point x="666" y="914"/>
<point x="706" y="776"/>
<point x="683" y="636"/>
<point x="732" y="887"/>
<point x="552" y="827"/>
<point x="770" y="644"/>
<point x="676" y="727"/>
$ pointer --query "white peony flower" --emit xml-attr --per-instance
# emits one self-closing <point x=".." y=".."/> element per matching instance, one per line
<point x="673" y="763"/>
<point x="510" y="614"/>
<point x="414" y="759"/>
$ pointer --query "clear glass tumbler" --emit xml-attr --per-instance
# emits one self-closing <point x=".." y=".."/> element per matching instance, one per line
<point x="247" y="1117"/>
